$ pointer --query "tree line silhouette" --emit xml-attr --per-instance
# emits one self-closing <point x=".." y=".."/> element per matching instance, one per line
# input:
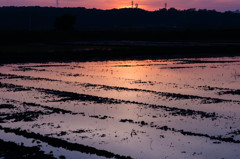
<point x="49" y="18"/>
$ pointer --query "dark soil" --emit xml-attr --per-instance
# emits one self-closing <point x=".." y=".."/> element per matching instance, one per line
<point x="232" y="92"/>
<point x="183" y="132"/>
<point x="62" y="52"/>
<point x="10" y="150"/>
<point x="6" y="106"/>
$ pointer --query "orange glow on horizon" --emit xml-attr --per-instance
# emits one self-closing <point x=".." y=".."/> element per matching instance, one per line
<point x="150" y="5"/>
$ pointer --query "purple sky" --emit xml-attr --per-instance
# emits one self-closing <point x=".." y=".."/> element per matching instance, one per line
<point x="220" y="5"/>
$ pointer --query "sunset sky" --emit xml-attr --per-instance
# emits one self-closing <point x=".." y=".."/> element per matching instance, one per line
<point x="220" y="5"/>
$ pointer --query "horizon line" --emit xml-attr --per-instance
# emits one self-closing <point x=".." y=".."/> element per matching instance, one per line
<point x="197" y="9"/>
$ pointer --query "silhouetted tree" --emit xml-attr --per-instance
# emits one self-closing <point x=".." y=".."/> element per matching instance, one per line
<point x="65" y="22"/>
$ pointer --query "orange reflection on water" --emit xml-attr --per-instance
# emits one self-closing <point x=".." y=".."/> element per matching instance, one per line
<point x="112" y="102"/>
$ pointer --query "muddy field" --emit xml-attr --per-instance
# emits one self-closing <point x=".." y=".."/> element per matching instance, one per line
<point x="179" y="108"/>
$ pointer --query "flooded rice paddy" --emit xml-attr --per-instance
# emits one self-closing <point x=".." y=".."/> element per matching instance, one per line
<point x="180" y="108"/>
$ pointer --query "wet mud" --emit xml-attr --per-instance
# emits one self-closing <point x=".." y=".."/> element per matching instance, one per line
<point x="232" y="92"/>
<point x="10" y="150"/>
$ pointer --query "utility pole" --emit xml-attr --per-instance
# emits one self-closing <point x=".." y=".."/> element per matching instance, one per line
<point x="57" y="3"/>
<point x="136" y="5"/>
<point x="132" y="3"/>
<point x="165" y="5"/>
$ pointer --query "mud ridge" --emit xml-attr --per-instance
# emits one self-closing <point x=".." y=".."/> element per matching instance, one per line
<point x="11" y="150"/>
<point x="174" y="111"/>
<point x="54" y="110"/>
<point x="50" y="65"/>
<point x="205" y="100"/>
<point x="83" y="97"/>
<point x="7" y="106"/>
<point x="183" y="132"/>
<point x="15" y="88"/>
<point x="231" y="92"/>
<point x="11" y="76"/>
<point x="66" y="96"/>
<point x="33" y="115"/>
<point x="202" y="62"/>
<point x="177" y="96"/>
<point x="55" y="142"/>
<point x="27" y="68"/>
<point x="24" y="116"/>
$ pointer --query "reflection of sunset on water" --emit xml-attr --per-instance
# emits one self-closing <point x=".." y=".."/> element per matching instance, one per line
<point x="139" y="108"/>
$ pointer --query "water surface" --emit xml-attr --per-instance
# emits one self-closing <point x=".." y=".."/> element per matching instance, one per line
<point x="180" y="108"/>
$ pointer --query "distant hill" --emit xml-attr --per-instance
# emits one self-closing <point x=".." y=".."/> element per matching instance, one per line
<point x="42" y="18"/>
<point x="236" y="11"/>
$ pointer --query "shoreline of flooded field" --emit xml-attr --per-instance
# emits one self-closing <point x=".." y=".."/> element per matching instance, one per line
<point x="178" y="108"/>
